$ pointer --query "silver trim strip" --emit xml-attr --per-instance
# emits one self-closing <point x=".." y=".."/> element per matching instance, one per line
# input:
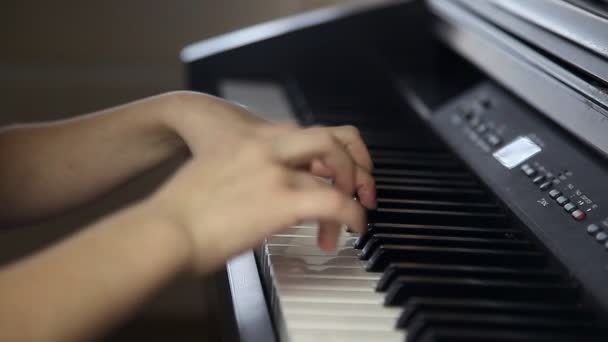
<point x="569" y="21"/>
<point x="248" y="300"/>
<point x="530" y="76"/>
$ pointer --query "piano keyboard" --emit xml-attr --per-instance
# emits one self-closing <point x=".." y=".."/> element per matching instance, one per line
<point x="440" y="261"/>
<point x="454" y="253"/>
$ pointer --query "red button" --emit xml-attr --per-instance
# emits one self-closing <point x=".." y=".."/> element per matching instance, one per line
<point x="579" y="215"/>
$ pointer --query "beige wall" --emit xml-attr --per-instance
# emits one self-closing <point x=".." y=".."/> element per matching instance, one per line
<point x="64" y="57"/>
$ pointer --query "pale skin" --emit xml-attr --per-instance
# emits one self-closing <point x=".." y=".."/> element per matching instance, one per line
<point x="246" y="179"/>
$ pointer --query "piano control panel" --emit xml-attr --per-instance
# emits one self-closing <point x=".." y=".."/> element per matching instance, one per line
<point x="551" y="181"/>
<point x="484" y="130"/>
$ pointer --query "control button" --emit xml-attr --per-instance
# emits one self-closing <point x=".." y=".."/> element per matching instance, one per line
<point x="485" y="102"/>
<point x="467" y="113"/>
<point x="493" y="139"/>
<point x="554" y="193"/>
<point x="601" y="237"/>
<point x="570" y="207"/>
<point x="538" y="179"/>
<point x="482" y="128"/>
<point x="579" y="215"/>
<point x="561" y="200"/>
<point x="545" y="186"/>
<point x="593" y="229"/>
<point x="474" y="121"/>
<point x="530" y="172"/>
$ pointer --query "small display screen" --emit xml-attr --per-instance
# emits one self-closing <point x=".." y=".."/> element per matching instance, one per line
<point x="517" y="152"/>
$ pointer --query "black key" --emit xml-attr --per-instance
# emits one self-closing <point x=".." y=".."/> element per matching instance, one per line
<point x="405" y="287"/>
<point x="436" y="205"/>
<point x="441" y="319"/>
<point x="378" y="171"/>
<point x="439" y="217"/>
<point x="443" y="241"/>
<point x="417" y="164"/>
<point x="476" y="334"/>
<point x="449" y="255"/>
<point x="433" y="193"/>
<point x="435" y="230"/>
<point x="395" y="270"/>
<point x="416" y="305"/>
<point x="410" y="154"/>
<point x="425" y="181"/>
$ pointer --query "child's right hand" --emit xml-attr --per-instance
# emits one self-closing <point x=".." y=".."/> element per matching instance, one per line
<point x="230" y="203"/>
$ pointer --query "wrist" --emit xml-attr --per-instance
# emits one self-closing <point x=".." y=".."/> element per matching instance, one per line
<point x="174" y="244"/>
<point x="208" y="124"/>
<point x="160" y="116"/>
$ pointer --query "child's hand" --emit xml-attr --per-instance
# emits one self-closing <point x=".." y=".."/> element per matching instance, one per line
<point x="231" y="202"/>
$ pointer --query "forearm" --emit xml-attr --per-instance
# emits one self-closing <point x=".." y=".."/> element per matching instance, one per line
<point x="47" y="168"/>
<point x="80" y="287"/>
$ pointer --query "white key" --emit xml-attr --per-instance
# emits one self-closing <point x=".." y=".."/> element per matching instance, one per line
<point x="306" y="335"/>
<point x="341" y="309"/>
<point x="318" y="260"/>
<point x="311" y="231"/>
<point x="321" y="322"/>
<point x="324" y="296"/>
<point x="302" y="240"/>
<point x="282" y="281"/>
<point x="302" y="231"/>
<point x="309" y="250"/>
<point x="330" y="296"/>
<point x="329" y="272"/>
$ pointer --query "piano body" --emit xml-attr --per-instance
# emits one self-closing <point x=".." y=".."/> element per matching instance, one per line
<point x="488" y="125"/>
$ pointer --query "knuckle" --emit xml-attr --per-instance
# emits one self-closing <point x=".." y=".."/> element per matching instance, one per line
<point x="288" y="126"/>
<point x="351" y="131"/>
<point x="325" y="138"/>
<point x="277" y="175"/>
<point x="257" y="150"/>
<point x="183" y="95"/>
<point x="336" y="202"/>
<point x="277" y="129"/>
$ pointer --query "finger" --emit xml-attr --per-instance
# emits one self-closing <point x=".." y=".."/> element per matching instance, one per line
<point x="329" y="217"/>
<point x="351" y="138"/>
<point x="305" y="146"/>
<point x="364" y="182"/>
<point x="326" y="204"/>
<point x="329" y="233"/>
<point x="365" y="185"/>
<point x="301" y="180"/>
<point x="276" y="129"/>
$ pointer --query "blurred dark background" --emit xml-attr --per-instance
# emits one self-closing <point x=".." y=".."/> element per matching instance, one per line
<point x="63" y="58"/>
